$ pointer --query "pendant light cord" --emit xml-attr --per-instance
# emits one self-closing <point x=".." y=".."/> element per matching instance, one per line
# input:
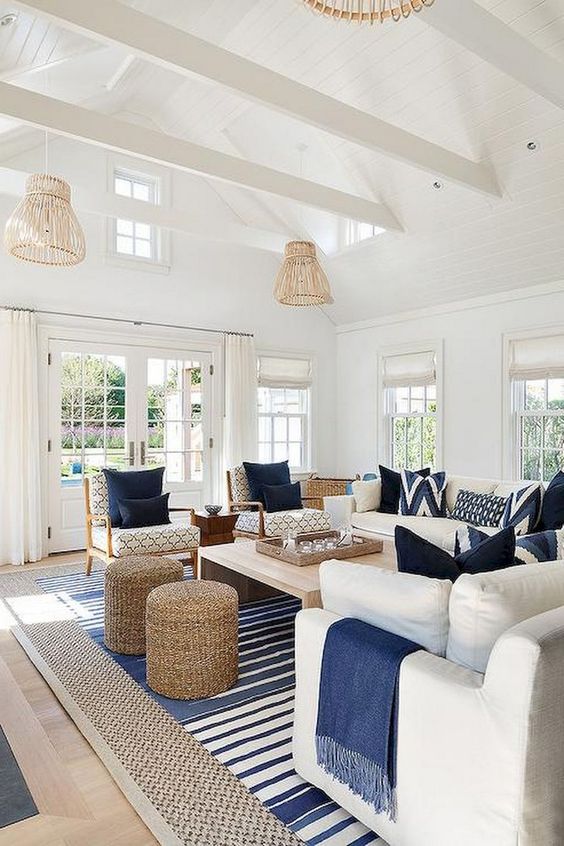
<point x="46" y="152"/>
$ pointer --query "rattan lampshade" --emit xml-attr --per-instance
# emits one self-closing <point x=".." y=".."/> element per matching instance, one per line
<point x="368" y="11"/>
<point x="43" y="227"/>
<point x="301" y="280"/>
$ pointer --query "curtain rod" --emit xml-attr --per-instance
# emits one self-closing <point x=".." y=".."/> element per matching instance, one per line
<point x="132" y="322"/>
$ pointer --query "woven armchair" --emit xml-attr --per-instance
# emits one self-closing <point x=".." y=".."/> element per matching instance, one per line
<point x="108" y="543"/>
<point x="255" y="522"/>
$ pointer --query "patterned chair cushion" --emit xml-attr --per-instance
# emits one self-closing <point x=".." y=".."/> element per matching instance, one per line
<point x="239" y="484"/>
<point x="277" y="523"/>
<point x="172" y="537"/>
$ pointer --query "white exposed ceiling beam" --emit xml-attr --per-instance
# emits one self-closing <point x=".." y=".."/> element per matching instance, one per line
<point x="481" y="32"/>
<point x="12" y="183"/>
<point x="113" y="134"/>
<point x="158" y="42"/>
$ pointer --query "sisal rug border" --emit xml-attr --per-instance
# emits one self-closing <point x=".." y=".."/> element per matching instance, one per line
<point x="180" y="791"/>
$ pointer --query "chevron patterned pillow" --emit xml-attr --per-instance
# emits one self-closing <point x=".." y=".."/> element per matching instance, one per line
<point x="522" y="509"/>
<point x="529" y="549"/>
<point x="423" y="496"/>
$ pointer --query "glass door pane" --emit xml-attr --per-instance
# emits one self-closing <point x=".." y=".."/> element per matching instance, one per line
<point x="174" y="419"/>
<point x="92" y="414"/>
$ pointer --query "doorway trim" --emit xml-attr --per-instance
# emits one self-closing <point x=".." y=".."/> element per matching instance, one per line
<point x="83" y="330"/>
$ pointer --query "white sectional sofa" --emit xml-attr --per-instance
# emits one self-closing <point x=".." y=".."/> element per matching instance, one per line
<point x="480" y="753"/>
<point x="439" y="530"/>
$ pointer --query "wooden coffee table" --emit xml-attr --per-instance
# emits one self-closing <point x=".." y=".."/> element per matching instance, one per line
<point x="257" y="576"/>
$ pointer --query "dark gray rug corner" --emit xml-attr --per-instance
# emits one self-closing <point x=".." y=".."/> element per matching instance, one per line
<point x="16" y="802"/>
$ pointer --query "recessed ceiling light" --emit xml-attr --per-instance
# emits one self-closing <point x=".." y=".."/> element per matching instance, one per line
<point x="532" y="146"/>
<point x="437" y="185"/>
<point x="8" y="19"/>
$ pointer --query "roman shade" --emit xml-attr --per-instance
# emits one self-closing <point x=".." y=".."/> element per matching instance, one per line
<point x="284" y="372"/>
<point x="537" y="358"/>
<point x="410" y="369"/>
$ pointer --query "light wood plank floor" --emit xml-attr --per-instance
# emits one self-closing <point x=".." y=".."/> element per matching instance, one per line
<point x="79" y="803"/>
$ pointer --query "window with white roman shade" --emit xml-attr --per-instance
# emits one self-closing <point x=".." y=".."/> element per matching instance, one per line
<point x="536" y="371"/>
<point x="284" y="403"/>
<point x="409" y="382"/>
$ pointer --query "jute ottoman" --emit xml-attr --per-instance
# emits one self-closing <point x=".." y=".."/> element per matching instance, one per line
<point x="128" y="583"/>
<point x="192" y="639"/>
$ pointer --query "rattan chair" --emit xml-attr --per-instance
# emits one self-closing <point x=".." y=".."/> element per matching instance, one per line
<point x="108" y="543"/>
<point x="255" y="522"/>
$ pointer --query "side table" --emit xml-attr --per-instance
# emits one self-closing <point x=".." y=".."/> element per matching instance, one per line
<point x="215" y="528"/>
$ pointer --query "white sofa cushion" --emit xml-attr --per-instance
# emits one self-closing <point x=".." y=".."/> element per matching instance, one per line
<point x="414" y="607"/>
<point x="277" y="523"/>
<point x="439" y="530"/>
<point x="483" y="606"/>
<point x="367" y="495"/>
<point x="171" y="537"/>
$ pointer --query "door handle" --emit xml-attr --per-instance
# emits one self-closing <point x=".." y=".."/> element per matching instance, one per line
<point x="142" y="453"/>
<point x="131" y="453"/>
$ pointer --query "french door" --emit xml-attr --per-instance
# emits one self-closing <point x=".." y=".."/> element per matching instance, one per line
<point x="124" y="407"/>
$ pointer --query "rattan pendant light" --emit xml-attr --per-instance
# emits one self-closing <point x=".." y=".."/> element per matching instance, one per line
<point x="368" y="11"/>
<point x="43" y="227"/>
<point x="301" y="280"/>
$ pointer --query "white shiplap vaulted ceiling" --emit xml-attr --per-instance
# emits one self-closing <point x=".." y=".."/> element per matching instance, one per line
<point x="457" y="242"/>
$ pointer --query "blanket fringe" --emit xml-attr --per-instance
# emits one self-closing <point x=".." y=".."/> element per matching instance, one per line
<point x="365" y="778"/>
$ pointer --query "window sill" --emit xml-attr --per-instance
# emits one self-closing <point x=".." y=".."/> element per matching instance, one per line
<point x="134" y="263"/>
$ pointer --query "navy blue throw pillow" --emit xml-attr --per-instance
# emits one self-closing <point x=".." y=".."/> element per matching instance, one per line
<point x="259" y="475"/>
<point x="421" y="557"/>
<point x="131" y="484"/>
<point x="552" y="511"/>
<point x="282" y="497"/>
<point x="136" y="513"/>
<point x="391" y="489"/>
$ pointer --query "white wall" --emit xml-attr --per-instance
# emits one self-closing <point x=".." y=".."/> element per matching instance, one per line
<point x="209" y="285"/>
<point x="473" y="378"/>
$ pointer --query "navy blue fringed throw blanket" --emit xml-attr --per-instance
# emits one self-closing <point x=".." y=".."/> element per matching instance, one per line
<point x="356" y="735"/>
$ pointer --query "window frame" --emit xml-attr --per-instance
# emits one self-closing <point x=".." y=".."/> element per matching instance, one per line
<point x="305" y="417"/>
<point x="393" y="414"/>
<point x="158" y="182"/>
<point x="384" y="453"/>
<point x="519" y="413"/>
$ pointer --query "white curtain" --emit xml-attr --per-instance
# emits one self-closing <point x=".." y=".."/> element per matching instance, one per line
<point x="240" y="424"/>
<point x="20" y="490"/>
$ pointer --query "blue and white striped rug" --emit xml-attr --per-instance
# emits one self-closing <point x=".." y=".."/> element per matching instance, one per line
<point x="248" y="728"/>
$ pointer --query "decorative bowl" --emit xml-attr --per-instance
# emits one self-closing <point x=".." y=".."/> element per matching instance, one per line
<point x="213" y="509"/>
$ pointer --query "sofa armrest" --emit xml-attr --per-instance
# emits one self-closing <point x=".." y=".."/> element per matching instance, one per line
<point x="340" y="508"/>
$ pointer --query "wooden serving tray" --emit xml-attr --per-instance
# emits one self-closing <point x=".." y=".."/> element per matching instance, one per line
<point x="359" y="546"/>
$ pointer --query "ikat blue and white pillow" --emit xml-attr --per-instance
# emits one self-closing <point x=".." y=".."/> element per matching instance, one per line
<point x="422" y="496"/>
<point x="522" y="509"/>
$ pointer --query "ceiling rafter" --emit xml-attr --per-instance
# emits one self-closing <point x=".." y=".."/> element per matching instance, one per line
<point x="177" y="50"/>
<point x="109" y="132"/>
<point x="484" y="34"/>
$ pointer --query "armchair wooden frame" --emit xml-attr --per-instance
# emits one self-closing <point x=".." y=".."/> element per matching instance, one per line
<point x="233" y="506"/>
<point x="107" y="555"/>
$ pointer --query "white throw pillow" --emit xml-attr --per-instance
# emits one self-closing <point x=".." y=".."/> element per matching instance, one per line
<point x="411" y="606"/>
<point x="484" y="605"/>
<point x="367" y="495"/>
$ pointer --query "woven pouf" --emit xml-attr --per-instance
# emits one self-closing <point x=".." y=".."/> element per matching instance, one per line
<point x="128" y="583"/>
<point x="192" y="639"/>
